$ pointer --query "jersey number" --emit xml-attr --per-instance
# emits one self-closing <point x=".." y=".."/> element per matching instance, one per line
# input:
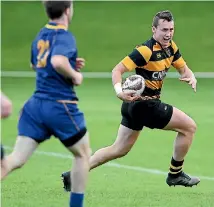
<point x="43" y="47"/>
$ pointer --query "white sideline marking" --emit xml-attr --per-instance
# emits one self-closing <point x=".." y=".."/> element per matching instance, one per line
<point x="32" y="74"/>
<point x="111" y="164"/>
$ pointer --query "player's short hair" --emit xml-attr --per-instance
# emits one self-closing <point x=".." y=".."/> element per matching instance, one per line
<point x="166" y="15"/>
<point x="55" y="9"/>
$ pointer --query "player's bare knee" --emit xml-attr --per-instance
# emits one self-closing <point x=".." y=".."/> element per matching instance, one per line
<point x="83" y="153"/>
<point x="87" y="153"/>
<point x="16" y="161"/>
<point x="20" y="162"/>
<point x="119" y="151"/>
<point x="122" y="153"/>
<point x="19" y="165"/>
<point x="193" y="127"/>
<point x="190" y="129"/>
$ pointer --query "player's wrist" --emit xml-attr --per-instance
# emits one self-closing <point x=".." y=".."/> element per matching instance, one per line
<point x="193" y="76"/>
<point x="118" y="88"/>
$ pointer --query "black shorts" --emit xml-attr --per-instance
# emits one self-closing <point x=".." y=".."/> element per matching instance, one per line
<point x="149" y="113"/>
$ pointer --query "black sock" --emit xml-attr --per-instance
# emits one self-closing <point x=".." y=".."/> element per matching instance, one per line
<point x="175" y="168"/>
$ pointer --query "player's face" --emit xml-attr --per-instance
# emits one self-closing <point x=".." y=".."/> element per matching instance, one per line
<point x="164" y="32"/>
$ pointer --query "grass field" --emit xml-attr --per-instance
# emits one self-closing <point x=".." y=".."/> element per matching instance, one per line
<point x="39" y="184"/>
<point x="107" y="31"/>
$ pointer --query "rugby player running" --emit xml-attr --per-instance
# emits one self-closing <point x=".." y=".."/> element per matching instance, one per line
<point x="152" y="60"/>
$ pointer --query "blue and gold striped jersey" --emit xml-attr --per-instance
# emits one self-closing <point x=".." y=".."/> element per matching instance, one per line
<point x="52" y="40"/>
<point x="152" y="62"/>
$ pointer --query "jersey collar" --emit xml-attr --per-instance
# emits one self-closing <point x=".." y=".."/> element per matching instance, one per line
<point x="157" y="45"/>
<point x="53" y="25"/>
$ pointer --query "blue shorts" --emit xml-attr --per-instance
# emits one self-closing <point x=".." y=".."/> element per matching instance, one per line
<point x="40" y="119"/>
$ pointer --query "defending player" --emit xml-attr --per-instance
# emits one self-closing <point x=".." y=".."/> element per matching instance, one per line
<point x="52" y="109"/>
<point x="151" y="60"/>
<point x="6" y="110"/>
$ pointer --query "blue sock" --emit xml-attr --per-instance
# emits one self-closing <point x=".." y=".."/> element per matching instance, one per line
<point x="76" y="199"/>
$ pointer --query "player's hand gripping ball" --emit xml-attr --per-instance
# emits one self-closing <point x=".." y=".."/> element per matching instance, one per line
<point x="134" y="84"/>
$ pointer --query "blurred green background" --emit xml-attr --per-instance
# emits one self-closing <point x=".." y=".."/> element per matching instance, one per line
<point x="107" y="31"/>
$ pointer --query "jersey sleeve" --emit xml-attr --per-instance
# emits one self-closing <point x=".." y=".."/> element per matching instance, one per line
<point x="178" y="61"/>
<point x="64" y="45"/>
<point x="138" y="58"/>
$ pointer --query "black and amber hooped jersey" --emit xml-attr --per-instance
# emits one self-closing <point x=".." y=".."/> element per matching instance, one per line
<point x="152" y="62"/>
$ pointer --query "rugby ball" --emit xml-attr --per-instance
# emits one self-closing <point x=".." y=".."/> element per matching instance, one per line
<point x="134" y="84"/>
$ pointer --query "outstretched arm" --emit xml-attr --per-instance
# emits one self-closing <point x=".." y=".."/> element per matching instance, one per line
<point x="188" y="76"/>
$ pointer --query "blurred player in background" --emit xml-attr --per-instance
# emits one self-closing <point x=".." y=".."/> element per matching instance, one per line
<point x="6" y="106"/>
<point x="53" y="109"/>
<point x="6" y="110"/>
<point x="152" y="60"/>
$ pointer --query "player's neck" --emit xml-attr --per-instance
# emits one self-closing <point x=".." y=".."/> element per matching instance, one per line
<point x="59" y="22"/>
<point x="162" y="46"/>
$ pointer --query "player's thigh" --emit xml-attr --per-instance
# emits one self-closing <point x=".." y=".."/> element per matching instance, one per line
<point x="24" y="148"/>
<point x="126" y="138"/>
<point x="129" y="128"/>
<point x="180" y="122"/>
<point x="82" y="147"/>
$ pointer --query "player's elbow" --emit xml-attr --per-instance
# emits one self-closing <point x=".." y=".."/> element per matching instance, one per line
<point x="119" y="69"/>
<point x="116" y="69"/>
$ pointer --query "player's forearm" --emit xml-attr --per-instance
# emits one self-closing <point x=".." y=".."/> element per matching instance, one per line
<point x="63" y="67"/>
<point x="116" y="76"/>
<point x="117" y="73"/>
<point x="117" y="79"/>
<point x="185" y="72"/>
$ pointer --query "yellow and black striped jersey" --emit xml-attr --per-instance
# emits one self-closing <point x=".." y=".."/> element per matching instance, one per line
<point x="152" y="62"/>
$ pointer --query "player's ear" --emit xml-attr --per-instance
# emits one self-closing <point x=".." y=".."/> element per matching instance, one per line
<point x="67" y="12"/>
<point x="154" y="29"/>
